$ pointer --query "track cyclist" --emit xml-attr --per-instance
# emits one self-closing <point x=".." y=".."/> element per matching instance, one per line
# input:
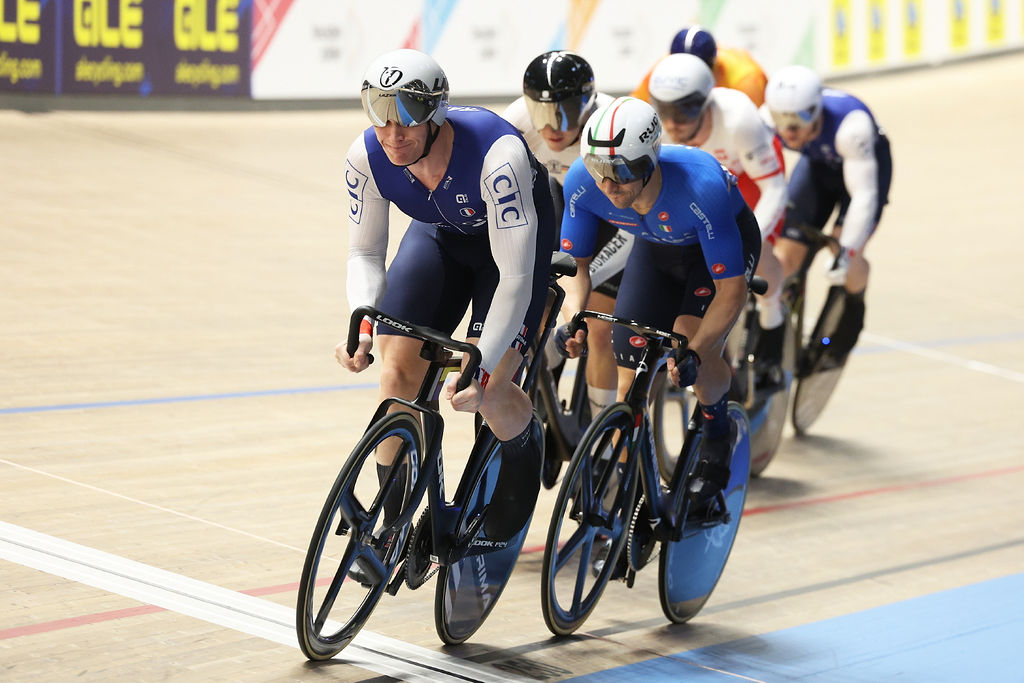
<point x="732" y="67"/>
<point x="559" y="95"/>
<point x="698" y="245"/>
<point x="725" y="123"/>
<point x="481" y="233"/>
<point x="844" y="161"/>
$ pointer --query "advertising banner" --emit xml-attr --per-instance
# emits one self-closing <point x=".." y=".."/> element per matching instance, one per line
<point x="155" y="47"/>
<point x="27" y="45"/>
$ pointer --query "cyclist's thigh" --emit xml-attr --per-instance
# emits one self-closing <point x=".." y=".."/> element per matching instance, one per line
<point x="814" y="191"/>
<point x="659" y="283"/>
<point x="485" y="278"/>
<point x="426" y="283"/>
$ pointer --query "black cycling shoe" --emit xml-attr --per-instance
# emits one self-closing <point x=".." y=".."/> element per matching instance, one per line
<point x="356" y="573"/>
<point x="711" y="475"/>
<point x="768" y="358"/>
<point x="515" y="492"/>
<point x="602" y="548"/>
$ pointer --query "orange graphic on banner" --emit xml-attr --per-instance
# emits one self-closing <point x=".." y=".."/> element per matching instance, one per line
<point x="580" y="14"/>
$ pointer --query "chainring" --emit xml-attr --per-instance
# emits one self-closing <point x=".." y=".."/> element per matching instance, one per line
<point x="418" y="567"/>
<point x="641" y="542"/>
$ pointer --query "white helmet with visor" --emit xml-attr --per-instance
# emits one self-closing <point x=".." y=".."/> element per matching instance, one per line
<point x="621" y="141"/>
<point x="407" y="87"/>
<point x="680" y="85"/>
<point x="793" y="96"/>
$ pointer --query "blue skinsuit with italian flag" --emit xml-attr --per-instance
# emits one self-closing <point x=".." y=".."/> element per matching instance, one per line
<point x="699" y="230"/>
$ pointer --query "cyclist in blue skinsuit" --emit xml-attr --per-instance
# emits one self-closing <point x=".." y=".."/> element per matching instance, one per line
<point x="844" y="161"/>
<point x="699" y="245"/>
<point x="481" y="233"/>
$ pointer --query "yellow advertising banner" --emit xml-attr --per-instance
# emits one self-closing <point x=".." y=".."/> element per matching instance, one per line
<point x="877" y="30"/>
<point x="959" y="35"/>
<point x="913" y="21"/>
<point x="841" y="30"/>
<point x="995" y="26"/>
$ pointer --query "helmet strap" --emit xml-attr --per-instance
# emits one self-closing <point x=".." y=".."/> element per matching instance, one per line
<point x="435" y="130"/>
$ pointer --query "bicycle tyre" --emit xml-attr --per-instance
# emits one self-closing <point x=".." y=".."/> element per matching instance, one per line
<point x="769" y="421"/>
<point x="571" y="535"/>
<point x="468" y="589"/>
<point x="319" y="637"/>
<point x="691" y="567"/>
<point x="818" y="372"/>
<point x="669" y="409"/>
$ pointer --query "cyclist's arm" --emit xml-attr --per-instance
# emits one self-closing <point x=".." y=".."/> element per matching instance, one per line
<point x="855" y="143"/>
<point x="579" y="237"/>
<point x="367" y="231"/>
<point x="506" y="184"/>
<point x="762" y="162"/>
<point x="730" y="296"/>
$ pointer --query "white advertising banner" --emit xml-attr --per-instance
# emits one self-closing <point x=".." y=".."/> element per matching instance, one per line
<point x="319" y="48"/>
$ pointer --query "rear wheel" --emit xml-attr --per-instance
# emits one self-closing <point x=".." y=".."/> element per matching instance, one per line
<point x="590" y="521"/>
<point x="690" y="567"/>
<point x="353" y="553"/>
<point x="818" y="371"/>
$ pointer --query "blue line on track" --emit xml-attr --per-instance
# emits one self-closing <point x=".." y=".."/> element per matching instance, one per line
<point x="184" y="399"/>
<point x="971" y="633"/>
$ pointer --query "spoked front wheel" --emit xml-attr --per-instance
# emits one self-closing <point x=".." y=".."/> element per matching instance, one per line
<point x="589" y="522"/>
<point x="469" y="588"/>
<point x="690" y="567"/>
<point x="353" y="553"/>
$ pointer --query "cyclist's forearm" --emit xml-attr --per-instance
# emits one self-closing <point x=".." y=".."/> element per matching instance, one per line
<point x="729" y="298"/>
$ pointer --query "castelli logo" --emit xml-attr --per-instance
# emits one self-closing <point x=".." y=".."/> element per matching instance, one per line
<point x="663" y="216"/>
<point x="638" y="341"/>
<point x="718" y="268"/>
<point x="566" y="245"/>
<point x="702" y="291"/>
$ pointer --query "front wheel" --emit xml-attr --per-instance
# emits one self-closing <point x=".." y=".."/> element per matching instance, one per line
<point x="690" y="567"/>
<point x="353" y="552"/>
<point x="468" y="588"/>
<point x="589" y="522"/>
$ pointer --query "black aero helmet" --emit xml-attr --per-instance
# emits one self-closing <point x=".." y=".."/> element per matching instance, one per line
<point x="559" y="89"/>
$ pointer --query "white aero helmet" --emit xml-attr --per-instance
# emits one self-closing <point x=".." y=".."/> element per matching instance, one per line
<point x="793" y="96"/>
<point x="621" y="141"/>
<point x="680" y="85"/>
<point x="407" y="87"/>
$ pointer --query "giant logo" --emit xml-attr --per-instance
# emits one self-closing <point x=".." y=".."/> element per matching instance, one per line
<point x="506" y="198"/>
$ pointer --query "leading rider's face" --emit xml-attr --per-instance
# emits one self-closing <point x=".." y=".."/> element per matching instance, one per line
<point x="403" y="145"/>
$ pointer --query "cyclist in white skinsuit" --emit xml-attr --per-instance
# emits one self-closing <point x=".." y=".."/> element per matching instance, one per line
<point x="558" y="97"/>
<point x="725" y="123"/>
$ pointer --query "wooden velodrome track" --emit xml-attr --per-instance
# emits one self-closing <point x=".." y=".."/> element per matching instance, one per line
<point x="171" y="417"/>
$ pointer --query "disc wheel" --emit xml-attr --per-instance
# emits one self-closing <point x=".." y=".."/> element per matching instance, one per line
<point x="589" y="522"/>
<point x="350" y="537"/>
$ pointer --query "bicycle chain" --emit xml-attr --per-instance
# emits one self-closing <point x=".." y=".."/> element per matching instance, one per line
<point x="417" y="562"/>
<point x="640" y="542"/>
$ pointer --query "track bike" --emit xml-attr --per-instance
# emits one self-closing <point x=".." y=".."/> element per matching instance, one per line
<point x="565" y="419"/>
<point x="817" y="369"/>
<point x="353" y="539"/>
<point x="614" y="510"/>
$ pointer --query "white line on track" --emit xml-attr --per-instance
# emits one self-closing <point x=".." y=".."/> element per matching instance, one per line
<point x="246" y="614"/>
<point x="917" y="350"/>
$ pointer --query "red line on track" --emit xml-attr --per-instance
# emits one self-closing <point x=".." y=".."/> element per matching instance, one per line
<point x="99" y="617"/>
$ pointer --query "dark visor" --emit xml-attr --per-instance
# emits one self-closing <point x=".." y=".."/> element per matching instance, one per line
<point x="618" y="169"/>
<point x="406" y="106"/>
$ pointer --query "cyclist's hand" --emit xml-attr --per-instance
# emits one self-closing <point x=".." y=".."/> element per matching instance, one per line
<point x="683" y="372"/>
<point x="836" y="274"/>
<point x="466" y="401"/>
<point x="571" y="346"/>
<point x="361" y="360"/>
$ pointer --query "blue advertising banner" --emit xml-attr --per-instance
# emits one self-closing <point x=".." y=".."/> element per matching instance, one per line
<point x="139" y="47"/>
<point x="27" y="45"/>
<point x="155" y="47"/>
